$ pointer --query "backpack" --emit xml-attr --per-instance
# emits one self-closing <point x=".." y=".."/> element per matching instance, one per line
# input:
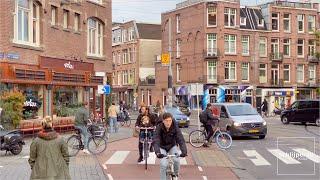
<point x="203" y="117"/>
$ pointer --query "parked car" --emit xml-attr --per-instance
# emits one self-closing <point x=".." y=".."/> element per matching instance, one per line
<point x="184" y="108"/>
<point x="182" y="119"/>
<point x="241" y="119"/>
<point x="303" y="111"/>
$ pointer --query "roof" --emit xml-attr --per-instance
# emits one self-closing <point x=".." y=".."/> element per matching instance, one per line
<point x="252" y="15"/>
<point x="149" y="31"/>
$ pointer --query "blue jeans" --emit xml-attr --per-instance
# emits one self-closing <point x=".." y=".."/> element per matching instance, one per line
<point x="113" y="125"/>
<point x="84" y="135"/>
<point x="164" y="162"/>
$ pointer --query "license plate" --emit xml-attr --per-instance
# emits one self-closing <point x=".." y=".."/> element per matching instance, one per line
<point x="253" y="131"/>
<point x="183" y="122"/>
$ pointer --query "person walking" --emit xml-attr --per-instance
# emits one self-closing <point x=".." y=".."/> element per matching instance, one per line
<point x="113" y="112"/>
<point x="49" y="157"/>
<point x="265" y="107"/>
<point x="81" y="121"/>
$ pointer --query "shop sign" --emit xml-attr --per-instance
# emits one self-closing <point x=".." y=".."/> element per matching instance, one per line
<point x="30" y="103"/>
<point x="13" y="56"/>
<point x="68" y="65"/>
<point x="106" y="89"/>
<point x="280" y="93"/>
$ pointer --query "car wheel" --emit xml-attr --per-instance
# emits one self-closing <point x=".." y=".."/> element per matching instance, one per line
<point x="284" y="120"/>
<point x="262" y="136"/>
<point x="318" y="122"/>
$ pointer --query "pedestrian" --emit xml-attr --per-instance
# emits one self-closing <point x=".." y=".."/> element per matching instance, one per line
<point x="160" y="113"/>
<point x="49" y="157"/>
<point x="265" y="107"/>
<point x="81" y="121"/>
<point x="113" y="112"/>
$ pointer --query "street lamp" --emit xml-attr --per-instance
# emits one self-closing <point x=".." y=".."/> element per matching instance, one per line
<point x="169" y="67"/>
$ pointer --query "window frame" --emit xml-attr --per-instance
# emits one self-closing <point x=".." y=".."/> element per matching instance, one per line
<point x="244" y="22"/>
<point x="54" y="15"/>
<point x="247" y="66"/>
<point x="298" y="21"/>
<point x="300" y="45"/>
<point x="265" y="69"/>
<point x="248" y="44"/>
<point x="178" y="68"/>
<point x="212" y="42"/>
<point x="228" y="66"/>
<point x="229" y="15"/>
<point x="178" y="46"/>
<point x="312" y="46"/>
<point x="286" y="44"/>
<point x="289" y="22"/>
<point x="265" y="47"/>
<point x="314" y="70"/>
<point x="229" y="42"/>
<point x="289" y="74"/>
<point x="66" y="19"/>
<point x="213" y="13"/>
<point x="178" y="21"/>
<point x="275" y="18"/>
<point x="77" y="23"/>
<point x="300" y="65"/>
<point x="99" y="38"/>
<point x="313" y="24"/>
<point x="211" y="68"/>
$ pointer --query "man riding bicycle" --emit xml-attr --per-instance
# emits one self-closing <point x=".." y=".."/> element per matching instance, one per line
<point x="81" y="121"/>
<point x="145" y="119"/>
<point x="166" y="138"/>
<point x="208" y="121"/>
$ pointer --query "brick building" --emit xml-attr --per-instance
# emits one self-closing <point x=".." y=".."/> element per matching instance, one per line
<point x="241" y="53"/>
<point x="57" y="50"/>
<point x="134" y="49"/>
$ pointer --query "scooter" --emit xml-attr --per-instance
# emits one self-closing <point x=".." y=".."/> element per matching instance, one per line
<point x="11" y="141"/>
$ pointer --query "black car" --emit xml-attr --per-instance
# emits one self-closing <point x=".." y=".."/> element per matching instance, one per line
<point x="304" y="111"/>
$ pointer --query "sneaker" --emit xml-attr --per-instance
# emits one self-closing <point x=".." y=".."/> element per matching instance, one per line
<point x="140" y="159"/>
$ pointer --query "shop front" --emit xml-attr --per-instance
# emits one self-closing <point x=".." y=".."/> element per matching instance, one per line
<point x="54" y="85"/>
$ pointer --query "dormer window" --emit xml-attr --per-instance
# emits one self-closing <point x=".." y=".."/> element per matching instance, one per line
<point x="261" y="22"/>
<point x="243" y="21"/>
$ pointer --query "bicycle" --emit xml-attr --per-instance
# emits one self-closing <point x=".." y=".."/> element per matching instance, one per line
<point x="197" y="138"/>
<point x="170" y="169"/>
<point x="146" y="141"/>
<point x="97" y="142"/>
<point x="125" y="119"/>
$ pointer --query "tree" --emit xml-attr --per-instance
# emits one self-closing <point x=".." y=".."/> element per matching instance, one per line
<point x="108" y="101"/>
<point x="317" y="35"/>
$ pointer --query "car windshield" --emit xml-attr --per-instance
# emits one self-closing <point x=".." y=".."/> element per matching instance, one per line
<point x="241" y="110"/>
<point x="173" y="110"/>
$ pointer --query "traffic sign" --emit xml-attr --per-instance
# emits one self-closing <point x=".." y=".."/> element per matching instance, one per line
<point x="106" y="89"/>
<point x="165" y="59"/>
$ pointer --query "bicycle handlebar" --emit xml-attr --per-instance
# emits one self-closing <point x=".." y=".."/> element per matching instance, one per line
<point x="145" y="128"/>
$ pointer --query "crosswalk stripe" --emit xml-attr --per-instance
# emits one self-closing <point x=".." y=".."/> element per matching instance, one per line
<point x="259" y="161"/>
<point x="284" y="157"/>
<point x="151" y="159"/>
<point x="310" y="155"/>
<point x="118" y="157"/>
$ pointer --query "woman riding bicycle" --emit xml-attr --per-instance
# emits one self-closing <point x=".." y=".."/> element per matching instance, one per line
<point x="145" y="119"/>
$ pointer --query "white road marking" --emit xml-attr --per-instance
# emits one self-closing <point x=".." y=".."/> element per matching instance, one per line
<point x="204" y="178"/>
<point x="310" y="155"/>
<point x="200" y="168"/>
<point x="104" y="166"/>
<point x="118" y="157"/>
<point x="151" y="159"/>
<point x="110" y="177"/>
<point x="259" y="160"/>
<point x="25" y="157"/>
<point x="284" y="157"/>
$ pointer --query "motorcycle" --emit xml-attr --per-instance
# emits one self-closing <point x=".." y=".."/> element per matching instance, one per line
<point x="11" y="141"/>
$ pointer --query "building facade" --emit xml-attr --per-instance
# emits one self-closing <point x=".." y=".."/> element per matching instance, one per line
<point x="134" y="49"/>
<point x="56" y="50"/>
<point x="241" y="54"/>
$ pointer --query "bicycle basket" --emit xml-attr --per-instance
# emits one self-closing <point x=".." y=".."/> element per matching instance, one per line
<point x="96" y="130"/>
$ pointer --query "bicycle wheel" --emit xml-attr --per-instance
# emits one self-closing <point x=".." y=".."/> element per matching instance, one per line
<point x="97" y="145"/>
<point x="73" y="143"/>
<point x="146" y="153"/>
<point x="197" y="138"/>
<point x="223" y="140"/>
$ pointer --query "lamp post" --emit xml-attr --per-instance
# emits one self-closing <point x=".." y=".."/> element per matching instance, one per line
<point x="170" y="99"/>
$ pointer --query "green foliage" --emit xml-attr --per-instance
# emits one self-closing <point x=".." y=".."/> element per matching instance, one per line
<point x="70" y="110"/>
<point x="12" y="103"/>
<point x="108" y="100"/>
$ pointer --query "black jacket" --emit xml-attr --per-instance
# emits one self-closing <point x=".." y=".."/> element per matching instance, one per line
<point x="210" y="118"/>
<point x="167" y="139"/>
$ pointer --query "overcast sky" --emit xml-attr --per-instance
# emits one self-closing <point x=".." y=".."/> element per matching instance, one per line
<point x="150" y="10"/>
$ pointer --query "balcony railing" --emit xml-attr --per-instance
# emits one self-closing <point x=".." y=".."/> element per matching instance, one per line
<point x="211" y="53"/>
<point x="292" y="4"/>
<point x="276" y="56"/>
<point x="313" y="58"/>
<point x="147" y="82"/>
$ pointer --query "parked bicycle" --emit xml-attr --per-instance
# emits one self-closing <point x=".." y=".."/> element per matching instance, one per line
<point x="170" y="169"/>
<point x="124" y="118"/>
<point x="197" y="138"/>
<point x="146" y="141"/>
<point x="97" y="142"/>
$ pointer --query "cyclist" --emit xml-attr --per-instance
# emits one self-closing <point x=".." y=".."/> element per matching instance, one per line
<point x="166" y="138"/>
<point x="81" y="121"/>
<point x="208" y="121"/>
<point x="145" y="119"/>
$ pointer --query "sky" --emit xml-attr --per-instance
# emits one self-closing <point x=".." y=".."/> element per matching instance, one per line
<point x="149" y="11"/>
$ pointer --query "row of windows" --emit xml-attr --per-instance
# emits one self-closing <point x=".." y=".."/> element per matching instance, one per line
<point x="126" y="56"/>
<point x="27" y="26"/>
<point x="125" y="77"/>
<point x="230" y="72"/>
<point x="123" y="35"/>
<point x="301" y="18"/>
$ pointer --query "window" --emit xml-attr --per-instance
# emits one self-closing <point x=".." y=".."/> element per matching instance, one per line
<point x="230" y="70"/>
<point x="311" y="23"/>
<point x="300" y="73"/>
<point x="211" y="44"/>
<point x="178" y="72"/>
<point x="119" y="58"/>
<point x="286" y="73"/>
<point x="65" y="19"/>
<point x="129" y="55"/>
<point x="300" y="23"/>
<point x="230" y="44"/>
<point x="212" y="70"/>
<point x="95" y="38"/>
<point x="54" y="15"/>
<point x="275" y="48"/>
<point x="245" y="45"/>
<point x="245" y="72"/>
<point x="212" y="16"/>
<point x="76" y="22"/>
<point x="312" y="72"/>
<point x="125" y="77"/>
<point x="178" y="47"/>
<point x="275" y="22"/>
<point x="300" y="47"/>
<point x="131" y="33"/>
<point x="263" y="46"/>
<point x="286" y="47"/>
<point x="312" y="47"/>
<point x="286" y="22"/>
<point x="229" y="17"/>
<point x="125" y="56"/>
<point x="178" y="23"/>
<point x="113" y="78"/>
<point x="119" y="78"/>
<point x="263" y="73"/>
<point x="134" y="54"/>
<point x="124" y="35"/>
<point x="261" y="22"/>
<point x="243" y="21"/>
<point x="27" y="23"/>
